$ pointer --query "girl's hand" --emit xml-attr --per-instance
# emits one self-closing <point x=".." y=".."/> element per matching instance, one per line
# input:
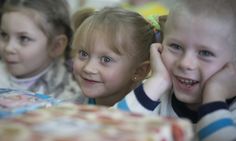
<point x="159" y="82"/>
<point x="222" y="85"/>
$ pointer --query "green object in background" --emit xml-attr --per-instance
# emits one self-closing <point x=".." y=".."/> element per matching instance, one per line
<point x="153" y="19"/>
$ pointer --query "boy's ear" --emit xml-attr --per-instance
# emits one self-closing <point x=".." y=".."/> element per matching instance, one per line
<point x="142" y="71"/>
<point x="58" y="46"/>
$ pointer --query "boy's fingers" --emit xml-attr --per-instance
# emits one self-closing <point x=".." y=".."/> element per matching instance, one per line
<point x="155" y="57"/>
<point x="155" y="52"/>
<point x="156" y="47"/>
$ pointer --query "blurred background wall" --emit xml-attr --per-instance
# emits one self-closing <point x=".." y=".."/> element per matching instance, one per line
<point x="144" y="7"/>
<point x="97" y="4"/>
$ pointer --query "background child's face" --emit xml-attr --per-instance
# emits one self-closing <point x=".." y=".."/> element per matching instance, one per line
<point x="101" y="72"/>
<point x="25" y="46"/>
<point x="195" y="48"/>
<point x="1" y="45"/>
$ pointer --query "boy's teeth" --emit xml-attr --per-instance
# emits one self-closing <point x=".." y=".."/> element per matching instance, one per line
<point x="187" y="81"/>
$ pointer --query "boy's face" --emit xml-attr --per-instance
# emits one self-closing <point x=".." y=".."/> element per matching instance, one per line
<point x="24" y="45"/>
<point x="100" y="72"/>
<point x="195" y="48"/>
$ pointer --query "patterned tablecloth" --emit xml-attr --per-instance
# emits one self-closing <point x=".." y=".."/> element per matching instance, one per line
<point x="16" y="102"/>
<point x="70" y="122"/>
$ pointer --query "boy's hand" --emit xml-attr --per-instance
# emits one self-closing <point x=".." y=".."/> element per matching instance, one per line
<point x="159" y="81"/>
<point x="222" y="85"/>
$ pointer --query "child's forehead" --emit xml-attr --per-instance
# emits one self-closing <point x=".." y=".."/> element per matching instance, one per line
<point x="94" y="37"/>
<point x="25" y="11"/>
<point x="183" y="20"/>
<point x="34" y="15"/>
<point x="205" y="13"/>
<point x="199" y="31"/>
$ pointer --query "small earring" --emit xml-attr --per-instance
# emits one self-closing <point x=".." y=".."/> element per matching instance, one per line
<point x="135" y="78"/>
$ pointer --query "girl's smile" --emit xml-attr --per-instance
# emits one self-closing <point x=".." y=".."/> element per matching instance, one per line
<point x="90" y="81"/>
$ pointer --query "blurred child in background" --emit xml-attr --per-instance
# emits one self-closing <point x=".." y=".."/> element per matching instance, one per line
<point x="111" y="53"/>
<point x="1" y="43"/>
<point x="36" y="38"/>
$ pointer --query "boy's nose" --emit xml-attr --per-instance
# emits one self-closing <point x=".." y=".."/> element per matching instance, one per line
<point x="187" y="62"/>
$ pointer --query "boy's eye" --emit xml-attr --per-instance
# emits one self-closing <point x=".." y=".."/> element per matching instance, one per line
<point x="175" y="46"/>
<point x="205" y="53"/>
<point x="106" y="59"/>
<point x="83" y="54"/>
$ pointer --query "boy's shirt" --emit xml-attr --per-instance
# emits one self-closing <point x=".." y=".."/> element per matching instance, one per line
<point x="213" y="122"/>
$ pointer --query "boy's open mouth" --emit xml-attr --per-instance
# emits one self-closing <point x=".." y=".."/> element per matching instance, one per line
<point x="187" y="82"/>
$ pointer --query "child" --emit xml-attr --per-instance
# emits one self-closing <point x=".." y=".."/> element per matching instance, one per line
<point x="111" y="53"/>
<point x="198" y="74"/>
<point x="35" y="35"/>
<point x="1" y="44"/>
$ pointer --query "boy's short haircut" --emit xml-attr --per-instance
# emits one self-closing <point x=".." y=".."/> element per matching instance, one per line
<point x="221" y="10"/>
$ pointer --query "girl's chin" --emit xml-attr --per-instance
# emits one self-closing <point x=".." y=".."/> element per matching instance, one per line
<point x="90" y="94"/>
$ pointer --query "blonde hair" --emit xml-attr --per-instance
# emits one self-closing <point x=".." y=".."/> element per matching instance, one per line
<point x="52" y="17"/>
<point x="124" y="31"/>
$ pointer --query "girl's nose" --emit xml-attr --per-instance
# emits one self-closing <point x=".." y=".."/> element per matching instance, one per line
<point x="9" y="47"/>
<point x="91" y="66"/>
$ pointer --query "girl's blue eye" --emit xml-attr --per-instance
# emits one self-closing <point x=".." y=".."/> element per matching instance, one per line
<point x="83" y="54"/>
<point x="106" y="59"/>
<point x="205" y="53"/>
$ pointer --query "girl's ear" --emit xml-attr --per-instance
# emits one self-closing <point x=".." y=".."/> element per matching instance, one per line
<point x="58" y="46"/>
<point x="142" y="71"/>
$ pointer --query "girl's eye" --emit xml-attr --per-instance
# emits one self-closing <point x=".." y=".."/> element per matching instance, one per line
<point x="24" y="39"/>
<point x="106" y="59"/>
<point x="205" y="53"/>
<point x="83" y="54"/>
<point x="3" y="35"/>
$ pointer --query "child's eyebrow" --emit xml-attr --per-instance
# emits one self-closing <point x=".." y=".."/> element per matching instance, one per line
<point x="22" y="32"/>
<point x="172" y="39"/>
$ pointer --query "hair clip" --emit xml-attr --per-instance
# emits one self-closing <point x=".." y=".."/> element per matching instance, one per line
<point x="153" y="20"/>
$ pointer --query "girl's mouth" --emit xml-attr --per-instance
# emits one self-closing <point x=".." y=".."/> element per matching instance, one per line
<point x="90" y="80"/>
<point x="11" y="62"/>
